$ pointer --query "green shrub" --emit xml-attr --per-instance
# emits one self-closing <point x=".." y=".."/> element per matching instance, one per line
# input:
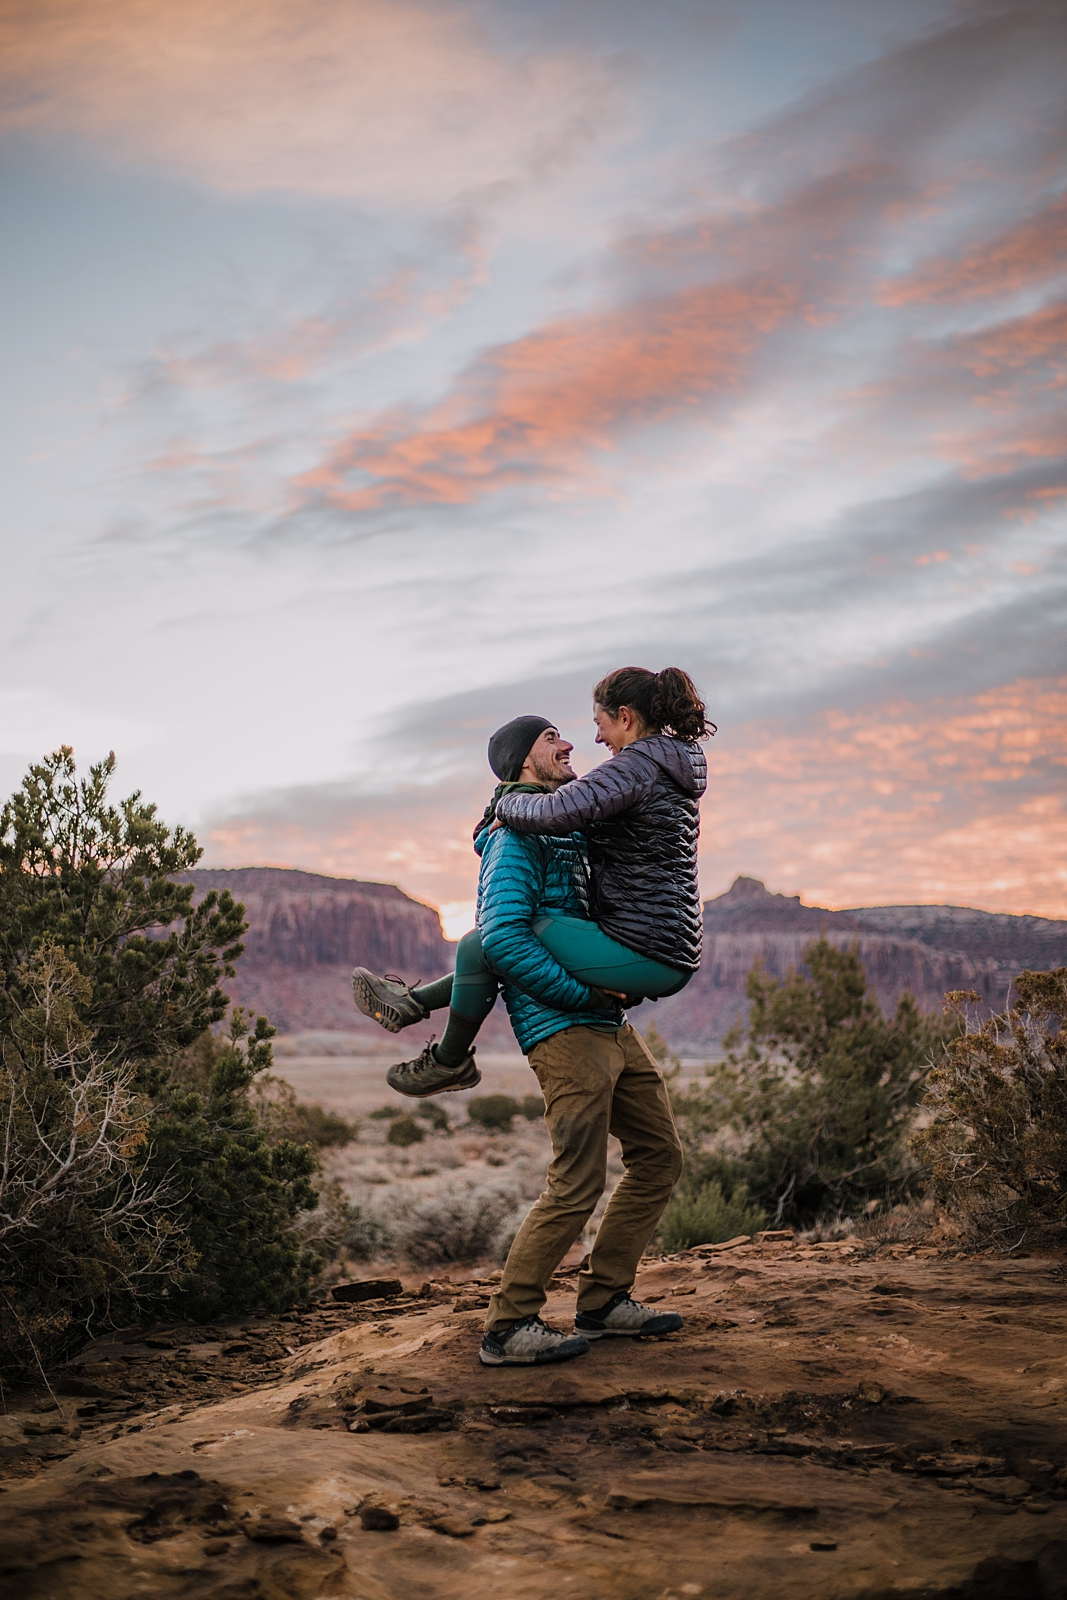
<point x="494" y="1111"/>
<point x="436" y="1116"/>
<point x="533" y="1107"/>
<point x="315" y="1125"/>
<point x="191" y="1211"/>
<point x="703" y="1215"/>
<point x="404" y="1131"/>
<point x="996" y="1141"/>
<point x="241" y="1188"/>
<point x="387" y="1113"/>
<point x="813" y="1106"/>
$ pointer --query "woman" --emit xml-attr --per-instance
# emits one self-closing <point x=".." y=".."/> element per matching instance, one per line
<point x="639" y="816"/>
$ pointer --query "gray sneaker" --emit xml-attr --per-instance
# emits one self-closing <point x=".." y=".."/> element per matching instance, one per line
<point x="426" y="1075"/>
<point x="529" y="1343"/>
<point x="388" y="1000"/>
<point x="625" y="1318"/>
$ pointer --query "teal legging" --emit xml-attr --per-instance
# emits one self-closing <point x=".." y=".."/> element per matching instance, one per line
<point x="581" y="947"/>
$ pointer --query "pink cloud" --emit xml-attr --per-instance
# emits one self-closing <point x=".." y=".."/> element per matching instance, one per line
<point x="390" y="101"/>
<point x="541" y="406"/>
<point x="1029" y="253"/>
<point x="959" y="801"/>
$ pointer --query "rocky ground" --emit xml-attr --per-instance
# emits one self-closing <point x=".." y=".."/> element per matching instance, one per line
<point x="835" y="1420"/>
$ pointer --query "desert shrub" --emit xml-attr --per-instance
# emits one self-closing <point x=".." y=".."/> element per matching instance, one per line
<point x="494" y="1111"/>
<point x="404" y="1131"/>
<point x="813" y="1105"/>
<point x="996" y="1141"/>
<point x="324" y="1232"/>
<point x="241" y="1188"/>
<point x="533" y="1107"/>
<point x="828" y="1229"/>
<point x="86" y="1233"/>
<point x="658" y="1047"/>
<point x="702" y="1214"/>
<point x="387" y="1113"/>
<point x="313" y="1124"/>
<point x="436" y="1116"/>
<point x="460" y="1220"/>
<point x="366" y="1234"/>
<point x="907" y="1223"/>
<point x="282" y="1116"/>
<point x="89" y="888"/>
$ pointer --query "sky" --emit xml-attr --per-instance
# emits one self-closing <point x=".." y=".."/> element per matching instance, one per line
<point x="378" y="370"/>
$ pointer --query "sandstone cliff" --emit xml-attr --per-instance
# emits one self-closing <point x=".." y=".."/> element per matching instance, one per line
<point x="307" y="932"/>
<point x="925" y="950"/>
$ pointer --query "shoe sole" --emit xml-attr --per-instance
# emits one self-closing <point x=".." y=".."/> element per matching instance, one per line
<point x="469" y="1081"/>
<point x="543" y="1360"/>
<point x="372" y="1005"/>
<point x="669" y="1322"/>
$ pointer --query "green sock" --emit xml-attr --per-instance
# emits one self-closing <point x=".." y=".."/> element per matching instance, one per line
<point x="435" y="995"/>
<point x="458" y="1037"/>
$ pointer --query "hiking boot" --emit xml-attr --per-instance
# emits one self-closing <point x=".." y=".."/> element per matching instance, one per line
<point x="626" y="1318"/>
<point x="388" y="1000"/>
<point x="426" y="1075"/>
<point x="529" y="1343"/>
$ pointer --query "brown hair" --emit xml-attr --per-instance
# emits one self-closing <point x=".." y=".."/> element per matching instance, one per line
<point x="667" y="701"/>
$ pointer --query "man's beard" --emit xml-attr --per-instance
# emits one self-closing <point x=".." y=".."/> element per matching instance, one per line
<point x="548" y="772"/>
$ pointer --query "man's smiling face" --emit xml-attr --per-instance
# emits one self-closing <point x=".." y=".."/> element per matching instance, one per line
<point x="548" y="760"/>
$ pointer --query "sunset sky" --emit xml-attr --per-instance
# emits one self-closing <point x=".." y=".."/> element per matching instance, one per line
<point x="377" y="370"/>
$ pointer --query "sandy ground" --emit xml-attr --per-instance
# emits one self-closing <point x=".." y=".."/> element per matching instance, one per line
<point x="354" y="1085"/>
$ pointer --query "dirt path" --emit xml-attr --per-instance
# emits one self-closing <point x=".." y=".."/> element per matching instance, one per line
<point x="829" y="1424"/>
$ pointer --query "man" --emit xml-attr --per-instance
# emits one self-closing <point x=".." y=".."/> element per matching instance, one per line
<point x="597" y="1076"/>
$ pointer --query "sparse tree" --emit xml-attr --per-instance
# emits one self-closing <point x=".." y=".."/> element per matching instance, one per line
<point x="97" y="881"/>
<point x="814" y="1103"/>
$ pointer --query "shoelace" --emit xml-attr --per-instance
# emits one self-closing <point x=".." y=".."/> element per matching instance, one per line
<point x="425" y="1058"/>
<point x="394" y="977"/>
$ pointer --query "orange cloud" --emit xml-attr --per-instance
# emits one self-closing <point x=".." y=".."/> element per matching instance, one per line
<point x="1031" y="253"/>
<point x="990" y="402"/>
<point x="393" y="101"/>
<point x="541" y="406"/>
<point x="959" y="801"/>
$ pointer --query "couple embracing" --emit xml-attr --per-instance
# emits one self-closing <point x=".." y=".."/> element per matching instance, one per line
<point x="587" y="902"/>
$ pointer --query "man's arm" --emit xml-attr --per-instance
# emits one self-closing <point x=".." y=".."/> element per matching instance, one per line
<point x="511" y="884"/>
<point x="614" y="786"/>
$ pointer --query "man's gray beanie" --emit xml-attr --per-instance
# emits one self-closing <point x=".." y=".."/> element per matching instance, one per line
<point x="511" y="744"/>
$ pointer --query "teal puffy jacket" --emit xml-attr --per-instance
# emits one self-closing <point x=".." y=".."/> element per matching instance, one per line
<point x="525" y="876"/>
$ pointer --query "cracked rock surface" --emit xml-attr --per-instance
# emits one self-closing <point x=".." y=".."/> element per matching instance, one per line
<point x="830" y="1423"/>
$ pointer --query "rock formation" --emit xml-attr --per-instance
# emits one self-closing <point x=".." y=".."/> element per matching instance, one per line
<point x="307" y="932"/>
<point x="926" y="950"/>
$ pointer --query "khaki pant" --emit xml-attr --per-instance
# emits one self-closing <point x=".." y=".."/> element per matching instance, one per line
<point x="594" y="1083"/>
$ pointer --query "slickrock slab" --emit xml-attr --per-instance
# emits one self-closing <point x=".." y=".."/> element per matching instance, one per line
<point x="793" y="1440"/>
<point x="729" y="1485"/>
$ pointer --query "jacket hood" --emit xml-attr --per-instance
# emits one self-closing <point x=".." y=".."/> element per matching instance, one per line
<point x="681" y="760"/>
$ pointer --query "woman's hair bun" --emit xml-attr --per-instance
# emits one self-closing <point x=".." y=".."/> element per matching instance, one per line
<point x="666" y="701"/>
